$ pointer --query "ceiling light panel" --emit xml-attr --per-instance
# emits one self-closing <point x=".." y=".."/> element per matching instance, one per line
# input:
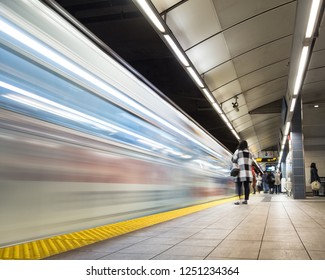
<point x="301" y="69"/>
<point x="195" y="76"/>
<point x="312" y="18"/>
<point x="155" y="19"/>
<point x="217" y="108"/>
<point x="192" y="22"/>
<point x="177" y="50"/>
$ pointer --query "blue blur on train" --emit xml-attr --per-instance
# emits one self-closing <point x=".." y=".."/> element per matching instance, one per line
<point x="83" y="141"/>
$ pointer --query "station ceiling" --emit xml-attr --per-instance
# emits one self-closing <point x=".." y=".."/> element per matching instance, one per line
<point x="246" y="52"/>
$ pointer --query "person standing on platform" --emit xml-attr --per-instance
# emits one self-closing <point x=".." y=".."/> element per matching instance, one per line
<point x="259" y="182"/>
<point x="314" y="177"/>
<point x="254" y="181"/>
<point x="244" y="159"/>
<point x="277" y="182"/>
<point x="264" y="182"/>
<point x="270" y="180"/>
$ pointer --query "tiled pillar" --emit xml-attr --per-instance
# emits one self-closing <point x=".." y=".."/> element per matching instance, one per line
<point x="298" y="166"/>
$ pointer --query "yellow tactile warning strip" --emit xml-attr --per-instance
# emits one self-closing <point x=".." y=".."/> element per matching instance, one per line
<point x="40" y="249"/>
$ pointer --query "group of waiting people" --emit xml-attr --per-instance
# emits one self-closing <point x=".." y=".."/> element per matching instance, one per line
<point x="269" y="182"/>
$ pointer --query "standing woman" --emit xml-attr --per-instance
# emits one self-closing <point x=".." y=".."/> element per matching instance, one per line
<point x="244" y="159"/>
<point x="314" y="176"/>
<point x="259" y="183"/>
<point x="277" y="182"/>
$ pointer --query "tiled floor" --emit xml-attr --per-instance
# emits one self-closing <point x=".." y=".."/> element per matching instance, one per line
<point x="278" y="228"/>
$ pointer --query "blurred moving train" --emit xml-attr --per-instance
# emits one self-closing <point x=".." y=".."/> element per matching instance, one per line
<point x="83" y="141"/>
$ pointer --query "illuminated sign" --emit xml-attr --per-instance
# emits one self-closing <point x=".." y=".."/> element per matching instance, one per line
<point x="266" y="159"/>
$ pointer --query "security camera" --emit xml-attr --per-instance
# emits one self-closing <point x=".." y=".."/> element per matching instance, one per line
<point x="235" y="104"/>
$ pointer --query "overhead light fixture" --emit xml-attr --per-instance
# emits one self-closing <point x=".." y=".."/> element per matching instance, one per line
<point x="316" y="106"/>
<point x="224" y="118"/>
<point x="229" y="125"/>
<point x="235" y="133"/>
<point x="301" y="70"/>
<point x="208" y="95"/>
<point x="286" y="131"/>
<point x="235" y="104"/>
<point x="293" y="104"/>
<point x="154" y="17"/>
<point x="310" y="30"/>
<point x="176" y="50"/>
<point x="217" y="107"/>
<point x="196" y="78"/>
<point x="312" y="18"/>
<point x="151" y="15"/>
<point x="284" y="140"/>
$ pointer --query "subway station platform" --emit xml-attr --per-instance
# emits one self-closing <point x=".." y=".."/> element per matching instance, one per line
<point x="270" y="227"/>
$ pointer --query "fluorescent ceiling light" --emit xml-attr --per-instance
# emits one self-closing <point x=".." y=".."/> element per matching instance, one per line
<point x="151" y="15"/>
<point x="224" y="118"/>
<point x="235" y="133"/>
<point x="176" y="50"/>
<point x="293" y="104"/>
<point x="229" y="125"/>
<point x="196" y="78"/>
<point x="217" y="107"/>
<point x="286" y="131"/>
<point x="312" y="18"/>
<point x="208" y="95"/>
<point x="301" y="69"/>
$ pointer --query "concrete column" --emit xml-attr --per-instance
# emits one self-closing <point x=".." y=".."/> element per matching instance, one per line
<point x="298" y="166"/>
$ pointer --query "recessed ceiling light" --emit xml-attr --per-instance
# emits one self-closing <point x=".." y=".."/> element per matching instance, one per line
<point x="316" y="106"/>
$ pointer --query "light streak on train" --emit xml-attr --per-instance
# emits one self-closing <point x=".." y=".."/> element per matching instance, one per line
<point x="83" y="141"/>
